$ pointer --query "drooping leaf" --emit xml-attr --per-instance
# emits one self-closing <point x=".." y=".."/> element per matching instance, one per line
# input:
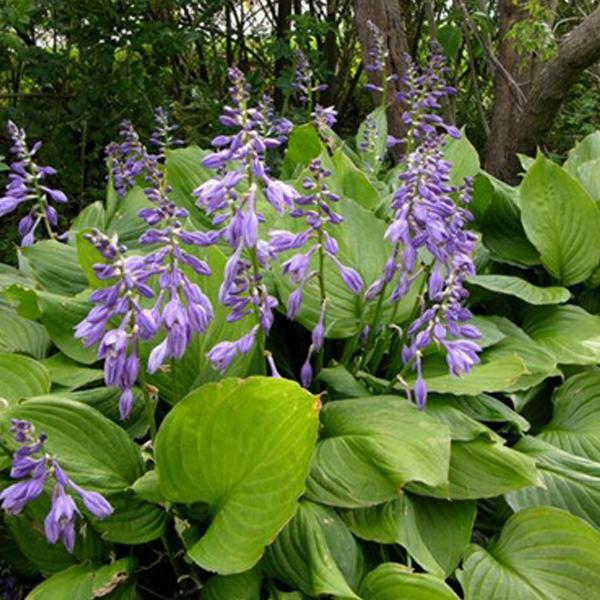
<point x="435" y="532"/>
<point x="541" y="553"/>
<point x="561" y="220"/>
<point x="316" y="553"/>
<point x="522" y="289"/>
<point x="390" y="581"/>
<point x="372" y="447"/>
<point x="243" y="447"/>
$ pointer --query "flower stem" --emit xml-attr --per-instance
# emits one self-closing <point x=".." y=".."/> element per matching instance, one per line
<point x="149" y="403"/>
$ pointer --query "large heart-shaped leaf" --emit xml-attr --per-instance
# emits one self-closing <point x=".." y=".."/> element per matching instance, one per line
<point x="372" y="447"/>
<point x="561" y="220"/>
<point x="575" y="423"/>
<point x="244" y="448"/>
<point x="391" y="581"/>
<point x="70" y="374"/>
<point x="21" y="377"/>
<point x="522" y="289"/>
<point x="435" y="532"/>
<point x="569" y="333"/>
<point x="316" y="553"/>
<point x="569" y="482"/>
<point x="542" y="553"/>
<point x="95" y="452"/>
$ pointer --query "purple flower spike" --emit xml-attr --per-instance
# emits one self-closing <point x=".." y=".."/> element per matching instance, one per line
<point x="25" y="185"/>
<point x="119" y="347"/>
<point x="303" y="80"/>
<point x="59" y="523"/>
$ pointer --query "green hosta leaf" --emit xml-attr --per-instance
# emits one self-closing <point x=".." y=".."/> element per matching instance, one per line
<point x="490" y="410"/>
<point x="349" y="181"/>
<point x="133" y="522"/>
<point x="55" y="267"/>
<point x="21" y="377"/>
<point x="490" y="333"/>
<point x="339" y="380"/>
<point x="22" y="335"/>
<point x="374" y="155"/>
<point x="575" y="423"/>
<point x="569" y="333"/>
<point x="184" y="174"/>
<point x="539" y="362"/>
<point x="483" y="468"/>
<point x="244" y="586"/>
<point x="501" y="226"/>
<point x="542" y="553"/>
<point x="371" y="447"/>
<point x="589" y="176"/>
<point x="522" y="289"/>
<point x="10" y="276"/>
<point x="303" y="145"/>
<point x="125" y="221"/>
<point x="251" y="487"/>
<point x="391" y="581"/>
<point x="361" y="247"/>
<point x="85" y="582"/>
<point x="435" y="532"/>
<point x="463" y="157"/>
<point x="70" y="374"/>
<point x="95" y="452"/>
<point x="586" y="150"/>
<point x="569" y="482"/>
<point x="495" y="373"/>
<point x="561" y="220"/>
<point x="92" y="216"/>
<point x="60" y="315"/>
<point x="316" y="553"/>
<point x="147" y="487"/>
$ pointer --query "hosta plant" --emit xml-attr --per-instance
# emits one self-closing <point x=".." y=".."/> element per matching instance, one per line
<point x="286" y="367"/>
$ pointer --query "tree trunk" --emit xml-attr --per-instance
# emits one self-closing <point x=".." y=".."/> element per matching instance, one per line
<point x="387" y="15"/>
<point x="520" y="131"/>
<point x="507" y="103"/>
<point x="284" y="13"/>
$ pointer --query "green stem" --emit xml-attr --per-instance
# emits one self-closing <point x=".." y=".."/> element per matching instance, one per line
<point x="150" y="406"/>
<point x="374" y="326"/>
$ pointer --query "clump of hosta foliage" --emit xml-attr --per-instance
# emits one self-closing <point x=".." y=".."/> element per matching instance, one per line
<point x="286" y="367"/>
